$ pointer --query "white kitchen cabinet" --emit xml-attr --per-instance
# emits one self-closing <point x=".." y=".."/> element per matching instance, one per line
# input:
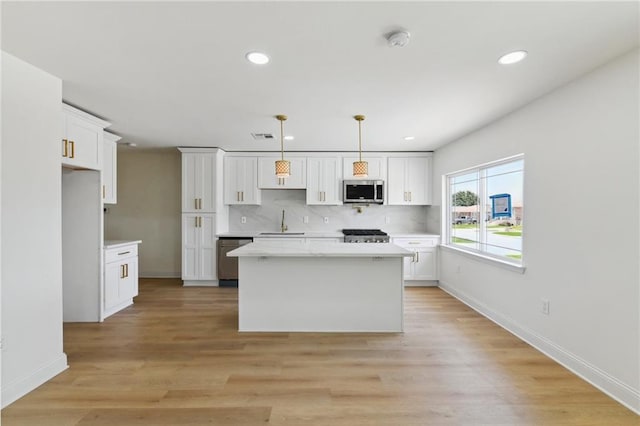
<point x="409" y="181"/>
<point x="423" y="266"/>
<point x="267" y="178"/>
<point x="198" y="182"/>
<point x="241" y="181"/>
<point x="110" y="168"/>
<point x="199" y="249"/>
<point x="377" y="167"/>
<point x="120" y="276"/>
<point x="82" y="139"/>
<point x="323" y="181"/>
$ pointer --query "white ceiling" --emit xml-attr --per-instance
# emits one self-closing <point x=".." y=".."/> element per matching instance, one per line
<point x="174" y="74"/>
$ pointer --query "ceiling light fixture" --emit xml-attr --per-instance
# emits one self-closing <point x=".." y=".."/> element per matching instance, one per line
<point x="257" y="58"/>
<point x="283" y="167"/>
<point x="398" y="38"/>
<point x="409" y="138"/>
<point x="360" y="168"/>
<point x="289" y="138"/>
<point x="512" y="57"/>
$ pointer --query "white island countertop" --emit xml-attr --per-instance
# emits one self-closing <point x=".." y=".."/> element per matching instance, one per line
<point x="318" y="249"/>
<point x="111" y="244"/>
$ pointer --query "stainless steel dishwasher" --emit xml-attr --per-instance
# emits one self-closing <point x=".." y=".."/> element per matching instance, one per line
<point x="228" y="266"/>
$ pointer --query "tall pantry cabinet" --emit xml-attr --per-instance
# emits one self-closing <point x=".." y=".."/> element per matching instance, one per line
<point x="203" y="214"/>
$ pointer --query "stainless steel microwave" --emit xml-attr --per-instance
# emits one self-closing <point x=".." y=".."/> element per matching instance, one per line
<point x="363" y="191"/>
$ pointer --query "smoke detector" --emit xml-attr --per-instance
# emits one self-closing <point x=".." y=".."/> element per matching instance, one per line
<point x="398" y="38"/>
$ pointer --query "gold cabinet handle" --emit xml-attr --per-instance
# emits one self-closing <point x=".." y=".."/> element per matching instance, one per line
<point x="200" y="203"/>
<point x="104" y="191"/>
<point x="195" y="200"/>
<point x="242" y="196"/>
<point x="417" y="257"/>
<point x="196" y="218"/>
<point x="65" y="152"/>
<point x="410" y="196"/>
<point x="237" y="195"/>
<point x="73" y="149"/>
<point x="122" y="271"/>
<point x="126" y="270"/>
<point x="200" y="221"/>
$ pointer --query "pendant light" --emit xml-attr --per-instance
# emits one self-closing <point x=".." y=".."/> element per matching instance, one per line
<point x="283" y="167"/>
<point x="360" y="168"/>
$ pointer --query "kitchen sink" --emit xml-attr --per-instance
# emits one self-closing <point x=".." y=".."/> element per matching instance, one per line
<point x="282" y="233"/>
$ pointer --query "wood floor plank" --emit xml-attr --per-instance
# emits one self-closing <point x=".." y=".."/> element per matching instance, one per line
<point x="176" y="358"/>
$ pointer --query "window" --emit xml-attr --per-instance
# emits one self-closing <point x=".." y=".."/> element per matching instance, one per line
<point x="485" y="210"/>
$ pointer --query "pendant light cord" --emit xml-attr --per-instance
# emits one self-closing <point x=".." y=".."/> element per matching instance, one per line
<point x="282" y="139"/>
<point x="360" y="139"/>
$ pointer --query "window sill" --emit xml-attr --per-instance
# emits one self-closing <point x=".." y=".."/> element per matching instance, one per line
<point x="486" y="259"/>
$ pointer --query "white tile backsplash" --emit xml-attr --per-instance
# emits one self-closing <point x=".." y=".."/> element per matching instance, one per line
<point x="267" y="217"/>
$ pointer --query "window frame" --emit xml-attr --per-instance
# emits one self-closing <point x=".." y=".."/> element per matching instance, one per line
<point x="447" y="214"/>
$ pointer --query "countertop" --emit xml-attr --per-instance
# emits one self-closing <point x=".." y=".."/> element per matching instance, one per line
<point x="111" y="244"/>
<point x="288" y="234"/>
<point x="318" y="249"/>
<point x="414" y="235"/>
<point x="326" y="234"/>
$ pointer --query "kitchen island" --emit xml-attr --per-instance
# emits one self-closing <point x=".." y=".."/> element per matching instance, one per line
<point x="320" y="287"/>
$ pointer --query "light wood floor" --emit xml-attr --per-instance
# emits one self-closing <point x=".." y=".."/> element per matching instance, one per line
<point x="175" y="358"/>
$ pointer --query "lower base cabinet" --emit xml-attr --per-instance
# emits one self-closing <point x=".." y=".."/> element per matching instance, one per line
<point x="120" y="277"/>
<point x="422" y="267"/>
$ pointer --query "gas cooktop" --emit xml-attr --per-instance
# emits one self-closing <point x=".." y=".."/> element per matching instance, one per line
<point x="365" y="236"/>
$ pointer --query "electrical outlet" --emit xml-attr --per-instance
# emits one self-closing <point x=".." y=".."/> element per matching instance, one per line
<point x="243" y="219"/>
<point x="544" y="306"/>
<point x="305" y="219"/>
<point x="326" y="219"/>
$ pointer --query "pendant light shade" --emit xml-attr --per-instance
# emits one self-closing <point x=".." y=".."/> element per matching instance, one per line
<point x="283" y="167"/>
<point x="360" y="168"/>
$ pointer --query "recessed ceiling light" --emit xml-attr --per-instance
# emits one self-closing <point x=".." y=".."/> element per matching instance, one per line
<point x="409" y="138"/>
<point x="132" y="144"/>
<point x="289" y="138"/>
<point x="257" y="58"/>
<point x="512" y="57"/>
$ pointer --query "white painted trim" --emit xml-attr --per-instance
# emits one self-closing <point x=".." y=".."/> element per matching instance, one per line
<point x="153" y="274"/>
<point x="200" y="283"/>
<point x="20" y="387"/>
<point x="420" y="283"/>
<point x="486" y="259"/>
<point x="621" y="392"/>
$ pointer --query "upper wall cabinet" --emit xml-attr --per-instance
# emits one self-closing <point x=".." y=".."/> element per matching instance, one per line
<point x="267" y="175"/>
<point x="241" y="180"/>
<point x="409" y="181"/>
<point x="81" y="143"/>
<point x="110" y="168"/>
<point x="198" y="182"/>
<point x="377" y="167"/>
<point x="323" y="181"/>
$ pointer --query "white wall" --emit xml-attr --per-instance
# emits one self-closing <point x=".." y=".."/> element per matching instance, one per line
<point x="581" y="250"/>
<point x="31" y="232"/>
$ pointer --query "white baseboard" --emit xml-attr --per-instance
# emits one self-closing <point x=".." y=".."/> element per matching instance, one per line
<point x="22" y="386"/>
<point x="200" y="283"/>
<point x="153" y="274"/>
<point x="420" y="283"/>
<point x="621" y="392"/>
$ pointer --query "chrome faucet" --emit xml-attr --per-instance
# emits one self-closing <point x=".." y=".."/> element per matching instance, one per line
<point x="283" y="227"/>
